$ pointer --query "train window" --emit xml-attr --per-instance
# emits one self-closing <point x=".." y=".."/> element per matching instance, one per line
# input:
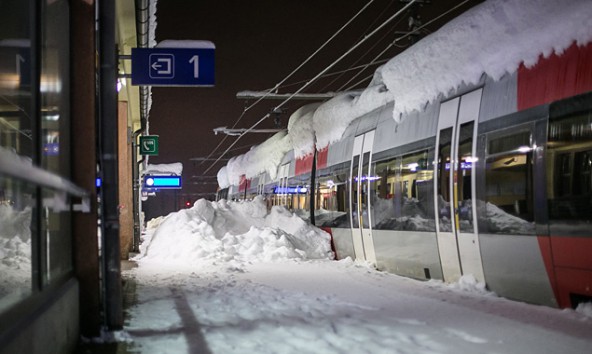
<point x="298" y="192"/>
<point x="402" y="193"/>
<point x="364" y="190"/>
<point x="569" y="183"/>
<point x="354" y="188"/>
<point x="508" y="185"/>
<point x="463" y="178"/>
<point x="16" y="214"/>
<point x="332" y="207"/>
<point x="443" y="177"/>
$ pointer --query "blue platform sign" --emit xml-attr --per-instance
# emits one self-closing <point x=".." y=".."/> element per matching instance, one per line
<point x="173" y="66"/>
<point x="155" y="182"/>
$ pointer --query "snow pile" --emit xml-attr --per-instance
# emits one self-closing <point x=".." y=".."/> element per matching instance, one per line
<point x="585" y="309"/>
<point x="492" y="38"/>
<point x="468" y="283"/>
<point x="233" y="232"/>
<point x="265" y="157"/>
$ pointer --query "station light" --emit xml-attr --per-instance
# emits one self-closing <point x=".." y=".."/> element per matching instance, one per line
<point x="164" y="182"/>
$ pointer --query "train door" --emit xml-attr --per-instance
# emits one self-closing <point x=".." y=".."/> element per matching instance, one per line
<point x="281" y="192"/>
<point x="458" y="243"/>
<point x="359" y="197"/>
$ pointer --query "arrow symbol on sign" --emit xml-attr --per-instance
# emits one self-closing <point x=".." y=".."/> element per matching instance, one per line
<point x="167" y="65"/>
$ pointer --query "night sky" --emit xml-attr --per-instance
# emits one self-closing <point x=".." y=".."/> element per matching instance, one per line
<point x="258" y="43"/>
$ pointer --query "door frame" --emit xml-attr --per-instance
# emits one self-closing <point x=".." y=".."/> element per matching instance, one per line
<point x="459" y="251"/>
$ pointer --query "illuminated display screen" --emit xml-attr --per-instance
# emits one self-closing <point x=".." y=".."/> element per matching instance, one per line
<point x="162" y="181"/>
<point x="290" y="190"/>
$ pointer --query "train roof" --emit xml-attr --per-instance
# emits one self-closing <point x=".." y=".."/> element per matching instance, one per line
<point x="492" y="39"/>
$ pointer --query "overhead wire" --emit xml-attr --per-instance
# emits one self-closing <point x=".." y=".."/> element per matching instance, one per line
<point x="394" y="43"/>
<point x="378" y="62"/>
<point x="397" y="14"/>
<point x="375" y="61"/>
<point x="359" y="38"/>
<point x="269" y="91"/>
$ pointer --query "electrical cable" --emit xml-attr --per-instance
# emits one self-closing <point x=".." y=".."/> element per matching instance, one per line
<point x="267" y="92"/>
<point x="316" y="77"/>
<point x="394" y="44"/>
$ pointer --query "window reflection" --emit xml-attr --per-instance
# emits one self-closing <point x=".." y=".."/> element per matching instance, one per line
<point x="54" y="89"/>
<point x="402" y="193"/>
<point x="332" y="209"/>
<point x="569" y="183"/>
<point x="508" y="185"/>
<point x="443" y="178"/>
<point x="463" y="172"/>
<point x="16" y="206"/>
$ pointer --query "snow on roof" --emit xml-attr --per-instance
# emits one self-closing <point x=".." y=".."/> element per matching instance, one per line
<point x="222" y="177"/>
<point x="164" y="169"/>
<point x="265" y="157"/>
<point x="333" y="117"/>
<point x="300" y="129"/>
<point x="492" y="38"/>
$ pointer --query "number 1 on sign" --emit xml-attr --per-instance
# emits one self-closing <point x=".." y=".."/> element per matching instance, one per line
<point x="195" y="61"/>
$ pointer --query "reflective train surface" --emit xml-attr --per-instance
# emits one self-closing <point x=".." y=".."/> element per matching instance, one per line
<point x="493" y="180"/>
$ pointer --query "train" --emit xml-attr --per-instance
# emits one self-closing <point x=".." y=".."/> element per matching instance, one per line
<point x="492" y="178"/>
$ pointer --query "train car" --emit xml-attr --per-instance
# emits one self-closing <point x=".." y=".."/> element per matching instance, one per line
<point x="490" y="179"/>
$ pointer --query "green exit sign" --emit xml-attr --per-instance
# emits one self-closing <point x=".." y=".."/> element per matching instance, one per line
<point x="149" y="145"/>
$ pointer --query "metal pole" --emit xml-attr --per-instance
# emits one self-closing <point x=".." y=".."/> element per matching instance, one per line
<point x="312" y="189"/>
<point x="108" y="165"/>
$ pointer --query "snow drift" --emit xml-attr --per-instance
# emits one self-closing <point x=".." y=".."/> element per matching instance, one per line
<point x="235" y="232"/>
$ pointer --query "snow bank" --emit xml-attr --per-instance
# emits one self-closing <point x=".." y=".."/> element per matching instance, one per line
<point x="469" y="283"/>
<point x="585" y="309"/>
<point x="492" y="38"/>
<point x="233" y="232"/>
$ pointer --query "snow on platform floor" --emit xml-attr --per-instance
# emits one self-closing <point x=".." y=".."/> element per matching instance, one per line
<point x="236" y="280"/>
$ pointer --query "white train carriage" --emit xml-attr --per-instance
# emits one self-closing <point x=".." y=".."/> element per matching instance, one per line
<point x="492" y="180"/>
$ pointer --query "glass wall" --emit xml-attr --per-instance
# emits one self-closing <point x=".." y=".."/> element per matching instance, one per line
<point x="569" y="168"/>
<point x="402" y="193"/>
<point x="35" y="235"/>
<point x="55" y="135"/>
<point x="17" y="203"/>
<point x="17" y="199"/>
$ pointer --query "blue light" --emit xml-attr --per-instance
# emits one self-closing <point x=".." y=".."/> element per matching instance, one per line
<point x="290" y="190"/>
<point x="98" y="182"/>
<point x="162" y="181"/>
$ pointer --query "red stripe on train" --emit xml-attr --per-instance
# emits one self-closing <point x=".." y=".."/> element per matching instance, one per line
<point x="555" y="77"/>
<point x="569" y="266"/>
